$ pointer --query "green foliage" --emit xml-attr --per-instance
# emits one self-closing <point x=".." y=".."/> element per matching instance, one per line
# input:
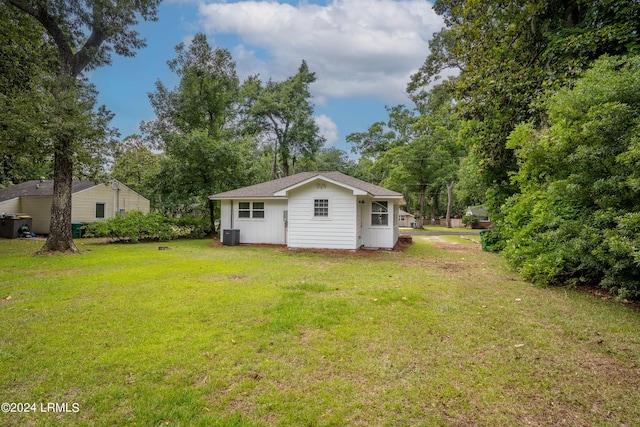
<point x="576" y="219"/>
<point x="509" y="54"/>
<point x="136" y="166"/>
<point x="26" y="63"/>
<point x="281" y="115"/>
<point x="415" y="152"/>
<point x="328" y="159"/>
<point x="206" y="149"/>
<point x="136" y="226"/>
<point x="470" y="221"/>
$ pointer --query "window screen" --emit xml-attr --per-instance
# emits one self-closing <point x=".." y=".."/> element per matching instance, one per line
<point x="379" y="213"/>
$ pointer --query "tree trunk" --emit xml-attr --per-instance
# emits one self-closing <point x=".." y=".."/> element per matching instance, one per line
<point x="60" y="238"/>
<point x="449" y="202"/>
<point x="275" y="165"/>
<point x="421" y="190"/>
<point x="433" y="208"/>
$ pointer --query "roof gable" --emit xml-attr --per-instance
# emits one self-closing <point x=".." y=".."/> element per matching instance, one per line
<point x="285" y="191"/>
<point x="278" y="187"/>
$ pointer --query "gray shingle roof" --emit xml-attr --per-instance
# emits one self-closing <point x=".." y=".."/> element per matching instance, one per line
<point x="269" y="188"/>
<point x="38" y="188"/>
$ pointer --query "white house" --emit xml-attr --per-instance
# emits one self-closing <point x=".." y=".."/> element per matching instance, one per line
<point x="406" y="219"/>
<point x="482" y="213"/>
<point x="313" y="210"/>
<point x="90" y="202"/>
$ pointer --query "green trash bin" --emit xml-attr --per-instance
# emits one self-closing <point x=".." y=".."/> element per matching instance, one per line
<point x="76" y="230"/>
<point x="483" y="241"/>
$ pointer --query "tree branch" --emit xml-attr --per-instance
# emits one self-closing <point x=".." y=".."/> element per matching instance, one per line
<point x="82" y="58"/>
<point x="48" y="21"/>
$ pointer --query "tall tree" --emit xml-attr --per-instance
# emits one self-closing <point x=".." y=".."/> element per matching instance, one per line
<point x="85" y="34"/>
<point x="283" y="117"/>
<point x="206" y="148"/>
<point x="508" y="53"/>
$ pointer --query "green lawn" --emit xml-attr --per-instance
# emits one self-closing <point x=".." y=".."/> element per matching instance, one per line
<point x="442" y="334"/>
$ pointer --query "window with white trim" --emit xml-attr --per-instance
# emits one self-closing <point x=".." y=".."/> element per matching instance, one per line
<point x="380" y="213"/>
<point x="321" y="208"/>
<point x="251" y="210"/>
<point x="258" y="210"/>
<point x="244" y="210"/>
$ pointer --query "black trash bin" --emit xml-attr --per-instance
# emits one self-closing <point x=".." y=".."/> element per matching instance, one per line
<point x="231" y="237"/>
<point x="11" y="226"/>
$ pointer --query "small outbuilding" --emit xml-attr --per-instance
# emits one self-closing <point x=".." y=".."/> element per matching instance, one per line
<point x="326" y="210"/>
<point x="90" y="202"/>
<point x="406" y="219"/>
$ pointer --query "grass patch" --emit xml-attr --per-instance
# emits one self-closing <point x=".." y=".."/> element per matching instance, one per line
<point x="442" y="229"/>
<point x="442" y="334"/>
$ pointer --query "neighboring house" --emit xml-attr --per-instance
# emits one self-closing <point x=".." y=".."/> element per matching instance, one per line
<point x="90" y="202"/>
<point x="482" y="213"/>
<point x="313" y="210"/>
<point x="406" y="219"/>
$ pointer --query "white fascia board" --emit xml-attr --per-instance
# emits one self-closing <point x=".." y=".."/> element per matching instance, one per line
<point x="356" y="191"/>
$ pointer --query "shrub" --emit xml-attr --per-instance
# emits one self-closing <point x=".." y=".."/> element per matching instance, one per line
<point x="135" y="226"/>
<point x="470" y="221"/>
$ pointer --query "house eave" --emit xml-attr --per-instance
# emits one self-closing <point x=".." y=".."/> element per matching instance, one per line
<point x="256" y="197"/>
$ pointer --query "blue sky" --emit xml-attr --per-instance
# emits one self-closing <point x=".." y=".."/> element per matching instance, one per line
<point x="362" y="51"/>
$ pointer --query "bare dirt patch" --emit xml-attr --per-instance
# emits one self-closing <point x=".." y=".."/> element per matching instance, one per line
<point x="457" y="247"/>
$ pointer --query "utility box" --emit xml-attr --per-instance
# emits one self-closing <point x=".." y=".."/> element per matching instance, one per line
<point x="11" y="225"/>
<point x="231" y="237"/>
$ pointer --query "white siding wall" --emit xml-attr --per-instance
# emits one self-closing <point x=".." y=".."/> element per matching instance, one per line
<point x="268" y="230"/>
<point x="83" y="203"/>
<point x="338" y="231"/>
<point x="39" y="208"/>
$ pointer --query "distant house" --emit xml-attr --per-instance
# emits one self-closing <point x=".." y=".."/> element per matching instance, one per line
<point x="313" y="210"/>
<point x="405" y="219"/>
<point x="90" y="202"/>
<point x="482" y="213"/>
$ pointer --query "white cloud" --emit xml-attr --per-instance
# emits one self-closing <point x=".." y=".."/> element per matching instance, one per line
<point x="328" y="129"/>
<point x="355" y="47"/>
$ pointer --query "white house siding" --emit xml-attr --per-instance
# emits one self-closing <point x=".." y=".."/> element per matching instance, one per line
<point x="268" y="230"/>
<point x="338" y="231"/>
<point x="380" y="236"/>
<point x="39" y="208"/>
<point x="83" y="203"/>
